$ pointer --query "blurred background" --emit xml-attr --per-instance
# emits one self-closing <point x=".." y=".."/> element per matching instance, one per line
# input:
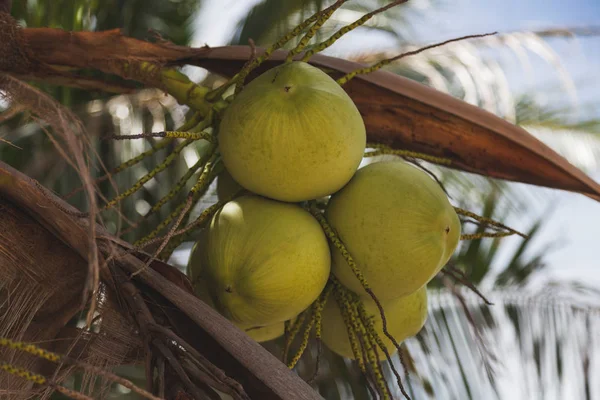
<point x="540" y="339"/>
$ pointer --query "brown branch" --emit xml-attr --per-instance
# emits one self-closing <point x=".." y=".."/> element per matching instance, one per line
<point x="144" y="319"/>
<point x="233" y="387"/>
<point x="182" y="374"/>
<point x="201" y="376"/>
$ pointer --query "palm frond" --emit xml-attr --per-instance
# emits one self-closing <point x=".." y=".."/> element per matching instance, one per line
<point x="542" y="344"/>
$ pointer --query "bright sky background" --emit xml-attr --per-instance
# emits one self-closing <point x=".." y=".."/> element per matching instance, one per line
<point x="576" y="220"/>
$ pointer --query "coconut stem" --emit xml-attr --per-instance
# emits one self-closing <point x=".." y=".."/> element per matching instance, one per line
<point x="345" y="307"/>
<point x="195" y="192"/>
<point x="320" y="305"/>
<point x="185" y="91"/>
<point x="129" y="163"/>
<point x="370" y="373"/>
<point x="367" y="70"/>
<point x="254" y="62"/>
<point x="323" y="45"/>
<point x="184" y="234"/>
<point x="194" y="127"/>
<point x="481" y="235"/>
<point x="377" y="362"/>
<point x="140" y="183"/>
<point x="374" y="365"/>
<point x="172" y="193"/>
<point x="335" y="240"/>
<point x="303" y="344"/>
<point x="179" y="234"/>
<point x="194" y="121"/>
<point x="292" y="333"/>
<point x="313" y="29"/>
<point x="349" y="307"/>
<point x="381" y="149"/>
<point x="317" y="361"/>
<point x="368" y="322"/>
<point x="315" y="320"/>
<point x="488" y="221"/>
<point x="169" y="134"/>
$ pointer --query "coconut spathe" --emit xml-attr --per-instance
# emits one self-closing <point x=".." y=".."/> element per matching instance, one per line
<point x="292" y="134"/>
<point x="398" y="226"/>
<point x="266" y="261"/>
<point x="405" y="317"/>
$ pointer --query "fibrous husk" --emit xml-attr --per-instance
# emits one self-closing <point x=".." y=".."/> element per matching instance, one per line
<point x="40" y="301"/>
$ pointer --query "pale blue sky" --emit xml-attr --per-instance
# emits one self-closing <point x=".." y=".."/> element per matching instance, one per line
<point x="576" y="219"/>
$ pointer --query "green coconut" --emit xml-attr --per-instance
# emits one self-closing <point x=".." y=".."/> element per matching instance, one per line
<point x="265" y="261"/>
<point x="405" y="317"/>
<point x="398" y="226"/>
<point x="292" y="134"/>
<point x="195" y="264"/>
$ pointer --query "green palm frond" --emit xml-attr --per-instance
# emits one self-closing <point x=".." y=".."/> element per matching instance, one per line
<point x="542" y="346"/>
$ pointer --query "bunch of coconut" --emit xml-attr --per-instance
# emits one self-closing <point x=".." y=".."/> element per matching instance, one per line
<point x="290" y="136"/>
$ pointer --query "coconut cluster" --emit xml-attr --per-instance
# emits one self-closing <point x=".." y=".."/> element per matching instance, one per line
<point x="294" y="135"/>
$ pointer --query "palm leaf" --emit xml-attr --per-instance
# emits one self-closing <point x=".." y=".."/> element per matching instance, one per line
<point x="543" y="344"/>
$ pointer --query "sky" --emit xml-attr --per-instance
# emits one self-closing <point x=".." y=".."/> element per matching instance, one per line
<point x="575" y="222"/>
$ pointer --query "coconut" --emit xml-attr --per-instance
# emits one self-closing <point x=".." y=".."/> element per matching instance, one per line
<point x="195" y="264"/>
<point x="398" y="226"/>
<point x="265" y="261"/>
<point x="405" y="317"/>
<point x="292" y="134"/>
